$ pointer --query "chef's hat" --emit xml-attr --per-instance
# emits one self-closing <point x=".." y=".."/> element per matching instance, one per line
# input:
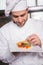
<point x="15" y="5"/>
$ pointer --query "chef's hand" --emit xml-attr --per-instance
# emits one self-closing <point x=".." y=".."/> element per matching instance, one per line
<point x="34" y="39"/>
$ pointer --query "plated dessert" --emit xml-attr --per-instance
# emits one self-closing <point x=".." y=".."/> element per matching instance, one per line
<point x="24" y="44"/>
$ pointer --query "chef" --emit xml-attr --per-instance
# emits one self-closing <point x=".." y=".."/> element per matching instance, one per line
<point x="20" y="28"/>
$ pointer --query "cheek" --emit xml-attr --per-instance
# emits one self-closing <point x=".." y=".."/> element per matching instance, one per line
<point x="14" y="19"/>
<point x="25" y="17"/>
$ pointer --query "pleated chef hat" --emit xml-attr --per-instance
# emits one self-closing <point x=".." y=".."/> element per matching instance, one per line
<point x="15" y="5"/>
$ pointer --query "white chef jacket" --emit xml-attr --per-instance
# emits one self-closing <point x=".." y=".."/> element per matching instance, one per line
<point x="28" y="59"/>
<point x="10" y="34"/>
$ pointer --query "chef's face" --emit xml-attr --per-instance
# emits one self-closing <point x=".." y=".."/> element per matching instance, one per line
<point x="20" y="17"/>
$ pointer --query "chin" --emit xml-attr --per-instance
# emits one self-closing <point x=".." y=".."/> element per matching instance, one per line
<point x="21" y="25"/>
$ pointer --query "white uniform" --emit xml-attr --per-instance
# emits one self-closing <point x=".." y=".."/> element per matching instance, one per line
<point x="10" y="34"/>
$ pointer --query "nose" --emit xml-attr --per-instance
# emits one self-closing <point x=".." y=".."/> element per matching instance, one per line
<point x="19" y="19"/>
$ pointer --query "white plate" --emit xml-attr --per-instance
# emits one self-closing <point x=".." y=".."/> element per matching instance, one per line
<point x="31" y="49"/>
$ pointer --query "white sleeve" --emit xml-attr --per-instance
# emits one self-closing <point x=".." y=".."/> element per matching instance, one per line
<point x="42" y="42"/>
<point x="5" y="54"/>
<point x="42" y="36"/>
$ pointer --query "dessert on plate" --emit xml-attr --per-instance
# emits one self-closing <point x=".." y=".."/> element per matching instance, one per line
<point x="24" y="44"/>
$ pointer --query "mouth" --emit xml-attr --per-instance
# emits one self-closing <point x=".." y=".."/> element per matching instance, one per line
<point x="20" y="24"/>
